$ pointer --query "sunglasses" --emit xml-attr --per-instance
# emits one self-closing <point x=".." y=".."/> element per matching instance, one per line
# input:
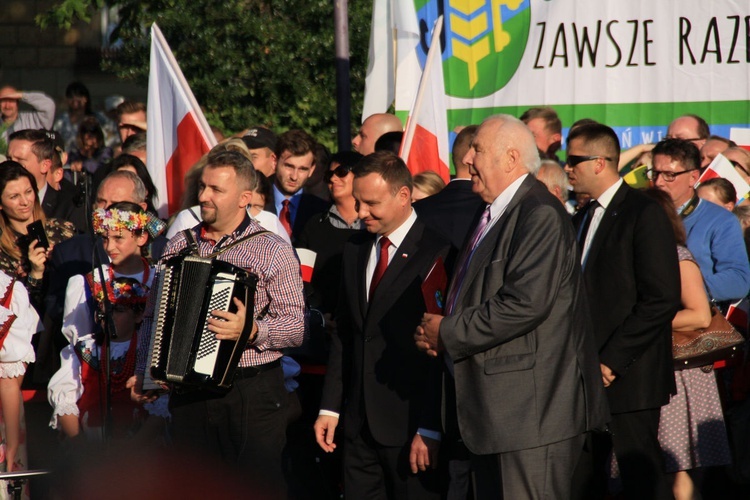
<point x="574" y="160"/>
<point x="341" y="171"/>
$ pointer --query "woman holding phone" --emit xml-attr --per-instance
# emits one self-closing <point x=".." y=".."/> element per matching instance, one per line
<point x="23" y="229"/>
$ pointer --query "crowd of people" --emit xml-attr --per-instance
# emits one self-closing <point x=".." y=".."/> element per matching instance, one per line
<point x="504" y="335"/>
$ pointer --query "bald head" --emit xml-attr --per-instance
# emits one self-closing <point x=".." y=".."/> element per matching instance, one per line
<point x="554" y="177"/>
<point x="691" y="128"/>
<point x="371" y="130"/>
<point x="502" y="150"/>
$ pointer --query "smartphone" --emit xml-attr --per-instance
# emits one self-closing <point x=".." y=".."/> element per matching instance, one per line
<point x="36" y="232"/>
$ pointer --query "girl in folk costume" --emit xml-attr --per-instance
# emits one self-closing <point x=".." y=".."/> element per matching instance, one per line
<point x="18" y="323"/>
<point x="76" y="390"/>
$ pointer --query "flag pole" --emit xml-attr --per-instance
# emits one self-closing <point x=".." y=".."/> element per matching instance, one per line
<point x="164" y="47"/>
<point x="432" y="53"/>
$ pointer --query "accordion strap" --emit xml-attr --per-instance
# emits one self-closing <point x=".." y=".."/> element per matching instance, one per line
<point x="235" y="243"/>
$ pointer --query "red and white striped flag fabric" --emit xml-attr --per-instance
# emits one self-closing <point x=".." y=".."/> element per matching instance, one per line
<point x="721" y="167"/>
<point x="178" y="133"/>
<point x="425" y="145"/>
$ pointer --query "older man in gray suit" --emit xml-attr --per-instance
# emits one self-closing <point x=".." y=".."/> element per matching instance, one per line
<point x="517" y="335"/>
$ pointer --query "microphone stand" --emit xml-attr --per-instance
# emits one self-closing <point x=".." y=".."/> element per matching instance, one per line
<point x="108" y="332"/>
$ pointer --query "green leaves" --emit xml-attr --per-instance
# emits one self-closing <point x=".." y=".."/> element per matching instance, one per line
<point x="248" y="62"/>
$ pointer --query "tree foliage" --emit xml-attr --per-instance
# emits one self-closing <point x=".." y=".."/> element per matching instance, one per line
<point x="248" y="62"/>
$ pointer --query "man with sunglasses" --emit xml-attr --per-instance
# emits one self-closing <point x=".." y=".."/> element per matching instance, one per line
<point x="714" y="235"/>
<point x="629" y="259"/>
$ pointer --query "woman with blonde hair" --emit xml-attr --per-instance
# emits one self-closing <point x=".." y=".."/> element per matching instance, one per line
<point x="426" y="184"/>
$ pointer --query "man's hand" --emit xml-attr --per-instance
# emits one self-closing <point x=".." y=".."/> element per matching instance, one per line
<point x="229" y="326"/>
<point x="135" y="384"/>
<point x="423" y="454"/>
<point x="325" y="429"/>
<point x="608" y="376"/>
<point x="427" y="336"/>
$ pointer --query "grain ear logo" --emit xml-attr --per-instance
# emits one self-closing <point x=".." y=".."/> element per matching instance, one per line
<point x="484" y="42"/>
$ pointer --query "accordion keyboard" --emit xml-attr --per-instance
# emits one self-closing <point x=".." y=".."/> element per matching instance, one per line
<point x="163" y="283"/>
<point x="208" y="347"/>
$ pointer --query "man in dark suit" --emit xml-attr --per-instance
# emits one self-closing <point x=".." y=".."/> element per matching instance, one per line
<point x="35" y="150"/>
<point x="452" y="211"/>
<point x="389" y="420"/>
<point x="295" y="153"/>
<point x="516" y="332"/>
<point x="633" y="284"/>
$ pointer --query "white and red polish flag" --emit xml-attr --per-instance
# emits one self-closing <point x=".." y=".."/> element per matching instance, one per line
<point x="178" y="134"/>
<point x="721" y="167"/>
<point x="425" y="144"/>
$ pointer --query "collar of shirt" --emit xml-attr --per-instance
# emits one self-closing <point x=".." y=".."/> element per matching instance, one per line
<point x="605" y="198"/>
<point x="397" y="236"/>
<point x="334" y="217"/>
<point x="279" y="197"/>
<point x="43" y="192"/>
<point x="501" y="203"/>
<point x="239" y="230"/>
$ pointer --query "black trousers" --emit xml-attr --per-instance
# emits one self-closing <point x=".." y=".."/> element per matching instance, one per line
<point x="634" y="440"/>
<point x="373" y="471"/>
<point x="245" y="428"/>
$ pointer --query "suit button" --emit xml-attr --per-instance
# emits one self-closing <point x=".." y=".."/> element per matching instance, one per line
<point x="368" y="338"/>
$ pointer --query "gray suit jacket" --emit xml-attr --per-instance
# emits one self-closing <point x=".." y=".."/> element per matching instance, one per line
<point x="526" y="367"/>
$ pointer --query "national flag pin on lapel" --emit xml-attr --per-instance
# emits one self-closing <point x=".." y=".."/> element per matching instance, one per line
<point x="404" y="255"/>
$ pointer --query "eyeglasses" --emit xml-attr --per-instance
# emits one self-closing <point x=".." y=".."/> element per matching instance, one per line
<point x="574" y="160"/>
<point x="739" y="165"/>
<point x="341" y="171"/>
<point x="665" y="174"/>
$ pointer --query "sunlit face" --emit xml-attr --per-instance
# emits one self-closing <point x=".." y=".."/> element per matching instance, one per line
<point x="127" y="126"/>
<point x="114" y="191"/>
<point x="364" y="141"/>
<point x="293" y="171"/>
<point x="377" y="207"/>
<point x="686" y="128"/>
<point x="340" y="187"/>
<point x="222" y="199"/>
<point x="681" y="188"/>
<point x="264" y="160"/>
<point x="485" y="158"/>
<point x="21" y="152"/>
<point x="17" y="200"/>
<point x="582" y="176"/>
<point x="122" y="245"/>
<point x="543" y="137"/>
<point x="710" y="149"/>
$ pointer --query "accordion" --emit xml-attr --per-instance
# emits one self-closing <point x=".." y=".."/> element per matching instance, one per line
<point x="183" y="351"/>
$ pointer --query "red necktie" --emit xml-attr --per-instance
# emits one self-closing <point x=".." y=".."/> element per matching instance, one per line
<point x="381" y="266"/>
<point x="285" y="216"/>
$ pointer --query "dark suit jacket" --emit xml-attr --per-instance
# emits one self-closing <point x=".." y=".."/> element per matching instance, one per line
<point x="633" y="282"/>
<point x="64" y="205"/>
<point x="374" y="364"/>
<point x="520" y="337"/>
<point x="451" y="212"/>
<point x="309" y="205"/>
